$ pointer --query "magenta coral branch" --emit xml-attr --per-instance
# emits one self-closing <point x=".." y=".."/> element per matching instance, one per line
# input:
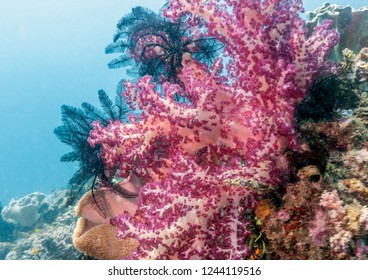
<point x="185" y="222"/>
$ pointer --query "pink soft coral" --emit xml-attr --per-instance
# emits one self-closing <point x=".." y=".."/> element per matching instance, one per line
<point x="194" y="214"/>
<point x="188" y="154"/>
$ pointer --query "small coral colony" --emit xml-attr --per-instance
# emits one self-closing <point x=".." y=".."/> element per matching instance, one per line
<point x="241" y="134"/>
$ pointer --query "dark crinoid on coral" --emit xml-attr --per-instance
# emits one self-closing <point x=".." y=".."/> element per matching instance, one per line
<point x="77" y="123"/>
<point x="321" y="100"/>
<point x="325" y="97"/>
<point x="156" y="46"/>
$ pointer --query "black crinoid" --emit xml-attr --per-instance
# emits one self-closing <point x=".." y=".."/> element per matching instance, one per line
<point x="77" y="123"/>
<point x="152" y="45"/>
<point x="155" y="46"/>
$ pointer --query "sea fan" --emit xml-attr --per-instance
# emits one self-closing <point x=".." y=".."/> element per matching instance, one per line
<point x="156" y="46"/>
<point x="77" y="123"/>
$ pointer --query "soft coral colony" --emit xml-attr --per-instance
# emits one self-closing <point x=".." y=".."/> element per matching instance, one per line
<point x="204" y="136"/>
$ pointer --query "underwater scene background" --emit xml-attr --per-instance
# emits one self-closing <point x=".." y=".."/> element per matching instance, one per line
<point x="53" y="53"/>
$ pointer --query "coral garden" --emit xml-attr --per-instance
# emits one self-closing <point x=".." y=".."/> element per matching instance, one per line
<point x="242" y="135"/>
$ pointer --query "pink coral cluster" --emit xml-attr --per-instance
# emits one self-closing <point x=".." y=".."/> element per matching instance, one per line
<point x="236" y="124"/>
<point x="193" y="214"/>
<point x="347" y="221"/>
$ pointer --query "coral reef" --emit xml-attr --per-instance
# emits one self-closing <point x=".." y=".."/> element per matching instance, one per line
<point x="286" y="229"/>
<point x="323" y="215"/>
<point x="351" y="24"/>
<point x="50" y="238"/>
<point x="260" y="153"/>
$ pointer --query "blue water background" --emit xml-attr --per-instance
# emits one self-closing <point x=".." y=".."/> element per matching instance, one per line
<point x="52" y="53"/>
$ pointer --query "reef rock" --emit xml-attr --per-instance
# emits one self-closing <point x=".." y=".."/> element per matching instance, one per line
<point x="50" y="238"/>
<point x="24" y="211"/>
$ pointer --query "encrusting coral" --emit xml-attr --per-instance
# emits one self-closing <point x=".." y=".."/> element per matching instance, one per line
<point x="286" y="230"/>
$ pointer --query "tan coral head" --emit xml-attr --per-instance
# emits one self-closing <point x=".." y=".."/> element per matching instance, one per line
<point x="94" y="235"/>
<point x="100" y="241"/>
